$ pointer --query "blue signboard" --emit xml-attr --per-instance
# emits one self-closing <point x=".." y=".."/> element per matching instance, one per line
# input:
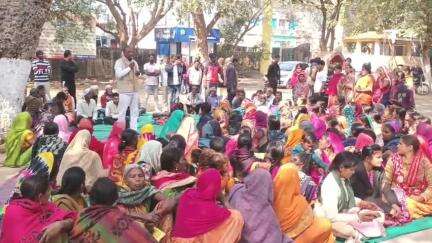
<point x="183" y="35"/>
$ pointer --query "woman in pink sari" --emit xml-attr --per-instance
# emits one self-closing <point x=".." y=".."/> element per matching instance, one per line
<point x="294" y="77"/>
<point x="111" y="148"/>
<point x="32" y="218"/>
<point x="63" y="125"/>
<point x="424" y="133"/>
<point x="381" y="87"/>
<point x="199" y="217"/>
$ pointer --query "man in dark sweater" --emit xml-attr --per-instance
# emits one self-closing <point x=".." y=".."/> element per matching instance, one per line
<point x="231" y="78"/>
<point x="68" y="69"/>
<point x="273" y="74"/>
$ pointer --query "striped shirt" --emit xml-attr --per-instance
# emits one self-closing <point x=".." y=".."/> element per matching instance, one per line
<point x="41" y="70"/>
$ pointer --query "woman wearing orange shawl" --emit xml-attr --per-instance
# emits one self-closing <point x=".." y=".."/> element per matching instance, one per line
<point x="364" y="86"/>
<point x="294" y="137"/>
<point x="128" y="154"/>
<point x="293" y="211"/>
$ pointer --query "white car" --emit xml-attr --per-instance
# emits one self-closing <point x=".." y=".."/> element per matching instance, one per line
<point x="286" y="71"/>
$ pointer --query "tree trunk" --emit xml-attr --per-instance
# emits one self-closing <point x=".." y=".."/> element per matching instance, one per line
<point x="323" y="42"/>
<point x="332" y="39"/>
<point x="426" y="65"/>
<point x="201" y="34"/>
<point x="21" y="25"/>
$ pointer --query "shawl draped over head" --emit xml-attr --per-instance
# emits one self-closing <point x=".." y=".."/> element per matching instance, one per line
<point x="294" y="138"/>
<point x="52" y="144"/>
<point x="108" y="224"/>
<point x="63" y="126"/>
<point x="261" y="120"/>
<point x="396" y="125"/>
<point x="146" y="134"/>
<point x="363" y="140"/>
<point x="95" y="145"/>
<point x="150" y="155"/>
<point x="79" y="154"/>
<point x="424" y="131"/>
<point x="25" y="220"/>
<point x="319" y="125"/>
<point x="15" y="138"/>
<point x="135" y="198"/>
<point x="336" y="141"/>
<point x="198" y="211"/>
<point x="112" y="144"/>
<point x="295" y="216"/>
<point x="172" y="124"/>
<point x="254" y="199"/>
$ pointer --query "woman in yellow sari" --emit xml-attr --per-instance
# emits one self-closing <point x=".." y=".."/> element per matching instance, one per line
<point x="410" y="170"/>
<point x="293" y="211"/>
<point x="19" y="141"/>
<point x="363" y="87"/>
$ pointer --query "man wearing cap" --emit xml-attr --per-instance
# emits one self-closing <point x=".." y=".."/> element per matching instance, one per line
<point x="127" y="75"/>
<point x="87" y="106"/>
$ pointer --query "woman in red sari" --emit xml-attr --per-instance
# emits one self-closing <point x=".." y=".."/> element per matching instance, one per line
<point x="411" y="171"/>
<point x="95" y="144"/>
<point x="112" y="144"/>
<point x="201" y="219"/>
<point x="32" y="218"/>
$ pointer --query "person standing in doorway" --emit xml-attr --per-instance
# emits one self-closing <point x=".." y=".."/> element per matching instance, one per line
<point x="42" y="72"/>
<point x="231" y="78"/>
<point x="152" y="71"/>
<point x="273" y="74"/>
<point x="68" y="68"/>
<point x="127" y="74"/>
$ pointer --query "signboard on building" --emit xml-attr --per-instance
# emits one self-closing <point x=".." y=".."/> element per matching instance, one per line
<point x="81" y="49"/>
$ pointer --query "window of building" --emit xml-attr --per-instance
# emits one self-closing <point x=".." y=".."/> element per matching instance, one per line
<point x="351" y="46"/>
<point x="399" y="50"/>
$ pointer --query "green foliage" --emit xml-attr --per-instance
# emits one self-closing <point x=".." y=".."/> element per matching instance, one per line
<point x="410" y="17"/>
<point x="72" y="19"/>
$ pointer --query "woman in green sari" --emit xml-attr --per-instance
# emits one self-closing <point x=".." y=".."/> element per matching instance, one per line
<point x="19" y="141"/>
<point x="172" y="124"/>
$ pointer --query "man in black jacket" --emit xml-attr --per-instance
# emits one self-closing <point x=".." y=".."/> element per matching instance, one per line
<point x="273" y="74"/>
<point x="68" y="69"/>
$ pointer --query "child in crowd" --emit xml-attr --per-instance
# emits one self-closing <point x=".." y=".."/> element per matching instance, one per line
<point x="193" y="100"/>
<point x="213" y="99"/>
<point x="275" y="133"/>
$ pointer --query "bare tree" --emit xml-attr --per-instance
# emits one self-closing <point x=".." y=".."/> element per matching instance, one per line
<point x="127" y="29"/>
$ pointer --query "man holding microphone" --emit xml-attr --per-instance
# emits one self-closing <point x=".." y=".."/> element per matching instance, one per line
<point x="127" y="78"/>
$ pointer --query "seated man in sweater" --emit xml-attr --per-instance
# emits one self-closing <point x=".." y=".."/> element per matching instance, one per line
<point x="112" y="110"/>
<point x="87" y="106"/>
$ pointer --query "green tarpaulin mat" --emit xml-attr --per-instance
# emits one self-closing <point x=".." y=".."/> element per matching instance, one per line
<point x="393" y="232"/>
<point x="102" y="131"/>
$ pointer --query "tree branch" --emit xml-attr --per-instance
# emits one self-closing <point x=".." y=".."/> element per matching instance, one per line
<point x="214" y="20"/>
<point x="104" y="29"/>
